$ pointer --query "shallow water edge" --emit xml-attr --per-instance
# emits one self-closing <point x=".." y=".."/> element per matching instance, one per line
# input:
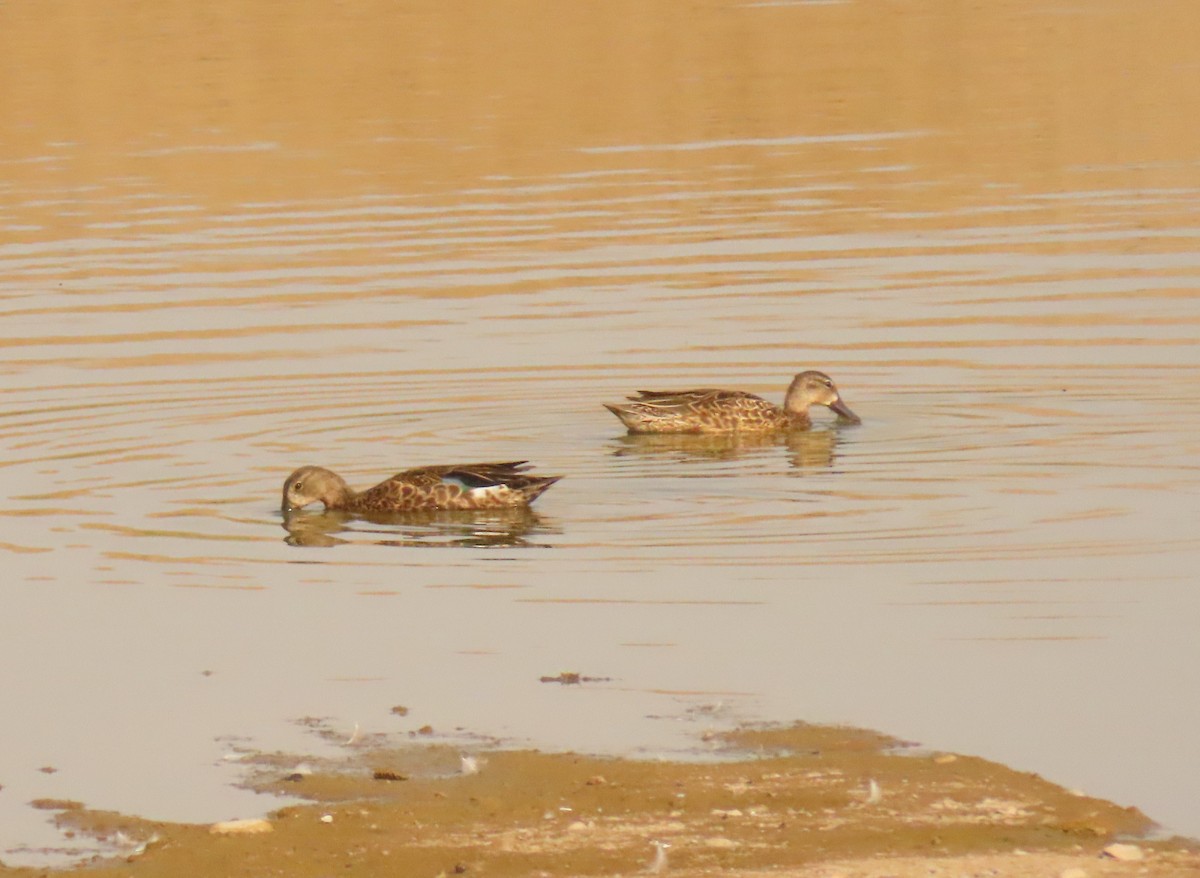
<point x="793" y="800"/>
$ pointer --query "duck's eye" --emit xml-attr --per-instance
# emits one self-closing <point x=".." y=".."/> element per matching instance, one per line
<point x="296" y="486"/>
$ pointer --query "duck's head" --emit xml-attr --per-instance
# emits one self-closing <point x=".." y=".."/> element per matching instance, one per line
<point x="817" y="388"/>
<point x="310" y="484"/>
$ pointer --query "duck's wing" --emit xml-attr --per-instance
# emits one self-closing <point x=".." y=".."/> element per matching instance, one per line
<point x="491" y="484"/>
<point x="690" y="400"/>
<point x="456" y="486"/>
<point x="691" y="411"/>
<point x="677" y="402"/>
<point x="469" y="475"/>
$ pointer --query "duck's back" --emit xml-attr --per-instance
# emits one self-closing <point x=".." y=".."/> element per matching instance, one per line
<point x="705" y="410"/>
<point x="455" y="486"/>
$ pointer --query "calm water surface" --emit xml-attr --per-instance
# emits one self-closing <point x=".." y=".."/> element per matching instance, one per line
<point x="1000" y="560"/>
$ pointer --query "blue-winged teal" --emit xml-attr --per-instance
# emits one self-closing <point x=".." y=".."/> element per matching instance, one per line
<point x="458" y="486"/>
<point x="725" y="411"/>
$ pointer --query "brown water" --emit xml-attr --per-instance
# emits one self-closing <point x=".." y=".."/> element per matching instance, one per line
<point x="236" y="240"/>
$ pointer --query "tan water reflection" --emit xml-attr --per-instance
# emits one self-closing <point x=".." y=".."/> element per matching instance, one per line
<point x="499" y="528"/>
<point x="239" y="238"/>
<point x="807" y="449"/>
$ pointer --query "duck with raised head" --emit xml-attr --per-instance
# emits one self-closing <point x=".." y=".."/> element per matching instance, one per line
<point x="456" y="486"/>
<point x="725" y="411"/>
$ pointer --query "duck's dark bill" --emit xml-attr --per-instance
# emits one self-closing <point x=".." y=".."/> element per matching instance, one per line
<point x="843" y="412"/>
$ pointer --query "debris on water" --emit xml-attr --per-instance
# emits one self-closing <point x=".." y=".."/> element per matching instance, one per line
<point x="425" y="730"/>
<point x="400" y="710"/>
<point x="1124" y="852"/>
<point x="468" y="765"/>
<point x="874" y="793"/>
<point x="245" y="826"/>
<point x="298" y="773"/>
<point x="660" y="858"/>
<point x="353" y="735"/>
<point x="573" y="678"/>
<point x="566" y="678"/>
<point x="388" y="774"/>
<point x="47" y="769"/>
<point x="136" y="848"/>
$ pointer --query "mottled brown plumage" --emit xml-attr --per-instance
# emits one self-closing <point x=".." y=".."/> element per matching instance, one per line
<point x="458" y="486"/>
<point x="724" y="411"/>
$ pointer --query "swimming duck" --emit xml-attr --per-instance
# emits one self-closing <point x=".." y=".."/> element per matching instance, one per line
<point x="723" y="411"/>
<point x="458" y="486"/>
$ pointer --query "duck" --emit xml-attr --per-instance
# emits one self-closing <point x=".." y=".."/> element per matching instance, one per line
<point x="726" y="411"/>
<point x="453" y="486"/>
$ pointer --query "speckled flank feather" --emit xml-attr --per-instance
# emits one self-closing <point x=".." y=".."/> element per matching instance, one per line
<point x="724" y="411"/>
<point x="702" y="411"/>
<point x="457" y="486"/>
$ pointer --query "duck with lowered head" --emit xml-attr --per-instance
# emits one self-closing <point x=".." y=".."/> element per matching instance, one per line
<point x="454" y="486"/>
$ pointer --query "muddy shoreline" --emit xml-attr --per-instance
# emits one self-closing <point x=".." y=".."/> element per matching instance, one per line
<point x="801" y="800"/>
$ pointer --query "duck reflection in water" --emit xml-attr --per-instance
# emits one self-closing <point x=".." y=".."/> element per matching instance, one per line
<point x="806" y="450"/>
<point x="516" y="527"/>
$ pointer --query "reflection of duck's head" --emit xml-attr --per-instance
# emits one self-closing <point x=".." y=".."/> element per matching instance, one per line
<point x="812" y="449"/>
<point x="306" y="529"/>
<point x="816" y="388"/>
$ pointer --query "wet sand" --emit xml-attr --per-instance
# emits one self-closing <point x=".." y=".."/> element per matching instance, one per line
<point x="781" y="801"/>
